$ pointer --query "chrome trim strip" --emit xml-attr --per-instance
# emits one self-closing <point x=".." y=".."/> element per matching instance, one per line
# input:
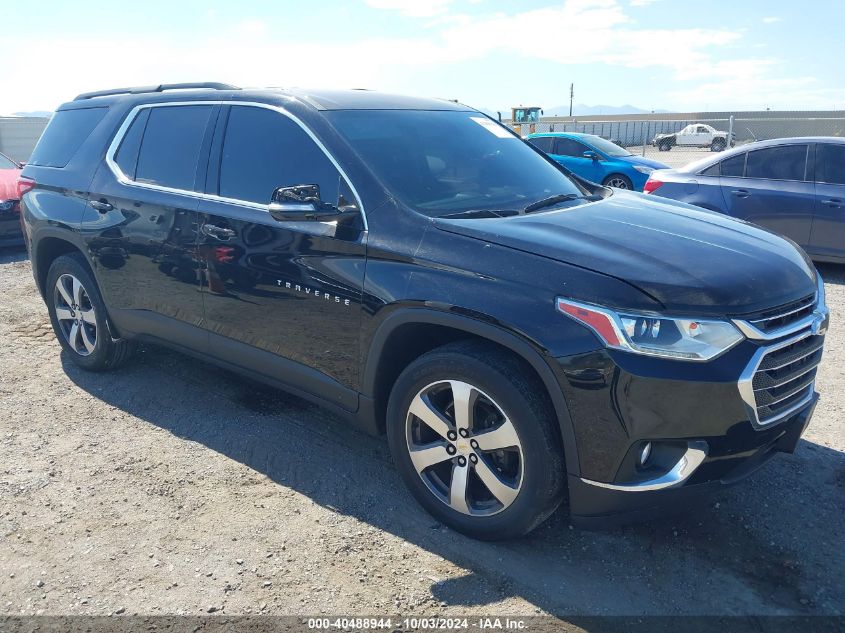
<point x="789" y="395"/>
<point x="125" y="180"/>
<point x="786" y="382"/>
<point x="810" y="321"/>
<point x="782" y="365"/>
<point x="780" y="315"/>
<point x="677" y="475"/>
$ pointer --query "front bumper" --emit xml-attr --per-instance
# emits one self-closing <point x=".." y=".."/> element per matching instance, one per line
<point x="596" y="506"/>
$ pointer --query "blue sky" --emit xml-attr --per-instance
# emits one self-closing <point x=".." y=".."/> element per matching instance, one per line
<point x="667" y="54"/>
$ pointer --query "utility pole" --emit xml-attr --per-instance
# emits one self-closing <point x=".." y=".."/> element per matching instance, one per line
<point x="571" y="96"/>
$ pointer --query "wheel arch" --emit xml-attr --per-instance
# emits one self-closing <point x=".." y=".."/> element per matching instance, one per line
<point x="421" y="330"/>
<point x="46" y="248"/>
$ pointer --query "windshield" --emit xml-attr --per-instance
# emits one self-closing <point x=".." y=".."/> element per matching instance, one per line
<point x="603" y="145"/>
<point x="442" y="162"/>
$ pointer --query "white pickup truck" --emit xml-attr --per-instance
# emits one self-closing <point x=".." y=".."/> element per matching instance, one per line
<point x="695" y="135"/>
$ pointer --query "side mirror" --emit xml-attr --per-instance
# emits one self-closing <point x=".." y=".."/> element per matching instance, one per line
<point x="591" y="155"/>
<point x="302" y="203"/>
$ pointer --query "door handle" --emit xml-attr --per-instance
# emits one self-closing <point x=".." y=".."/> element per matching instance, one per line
<point x="741" y="193"/>
<point x="101" y="205"/>
<point x="832" y="202"/>
<point x="217" y="232"/>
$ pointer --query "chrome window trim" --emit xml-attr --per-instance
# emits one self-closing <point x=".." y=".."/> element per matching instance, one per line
<point x="677" y="475"/>
<point x="125" y="180"/>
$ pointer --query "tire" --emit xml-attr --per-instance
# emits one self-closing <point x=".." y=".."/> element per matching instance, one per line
<point x="664" y="146"/>
<point x="79" y="316"/>
<point x="618" y="181"/>
<point x="524" y="457"/>
<point x="718" y="145"/>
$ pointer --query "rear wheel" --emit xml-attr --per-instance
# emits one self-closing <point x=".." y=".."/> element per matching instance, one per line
<point x="664" y="146"/>
<point x="474" y="440"/>
<point x="618" y="181"/>
<point x="78" y="316"/>
<point x="718" y="145"/>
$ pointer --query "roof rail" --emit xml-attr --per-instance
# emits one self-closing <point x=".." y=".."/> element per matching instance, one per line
<point x="208" y="85"/>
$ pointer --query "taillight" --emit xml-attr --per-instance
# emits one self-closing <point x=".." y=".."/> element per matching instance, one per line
<point x="652" y="185"/>
<point x="24" y="185"/>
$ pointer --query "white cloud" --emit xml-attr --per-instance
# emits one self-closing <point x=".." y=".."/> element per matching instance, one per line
<point x="771" y="19"/>
<point x="642" y="3"/>
<point x="412" y="8"/>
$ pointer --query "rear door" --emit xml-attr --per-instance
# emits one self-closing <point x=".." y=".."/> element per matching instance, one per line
<point x="281" y="298"/>
<point x="570" y="153"/>
<point x="828" y="234"/>
<point x="141" y="225"/>
<point x="772" y="190"/>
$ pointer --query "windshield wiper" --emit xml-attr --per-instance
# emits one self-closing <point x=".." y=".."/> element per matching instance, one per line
<point x="553" y="200"/>
<point x="481" y="213"/>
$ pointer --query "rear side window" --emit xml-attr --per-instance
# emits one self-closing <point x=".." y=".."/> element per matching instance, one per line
<point x="264" y="150"/>
<point x="830" y="164"/>
<point x="569" y="147"/>
<point x="733" y="166"/>
<point x="713" y="170"/>
<point x="64" y="135"/>
<point x="127" y="154"/>
<point x="787" y="162"/>
<point x="171" y="146"/>
<point x="543" y="143"/>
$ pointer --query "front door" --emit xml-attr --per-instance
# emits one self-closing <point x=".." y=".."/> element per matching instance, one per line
<point x="570" y="153"/>
<point x="141" y="222"/>
<point x="281" y="298"/>
<point x="828" y="235"/>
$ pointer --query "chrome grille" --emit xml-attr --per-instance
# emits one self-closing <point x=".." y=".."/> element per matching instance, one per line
<point x="785" y="315"/>
<point x="783" y="377"/>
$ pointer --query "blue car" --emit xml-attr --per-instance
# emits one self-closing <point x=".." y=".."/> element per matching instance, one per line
<point x="596" y="159"/>
<point x="793" y="186"/>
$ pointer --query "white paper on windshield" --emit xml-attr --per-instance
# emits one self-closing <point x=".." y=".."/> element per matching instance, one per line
<point x="491" y="126"/>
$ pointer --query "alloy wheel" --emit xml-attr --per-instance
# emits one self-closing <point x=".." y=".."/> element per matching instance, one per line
<point x="75" y="314"/>
<point x="618" y="183"/>
<point x="464" y="448"/>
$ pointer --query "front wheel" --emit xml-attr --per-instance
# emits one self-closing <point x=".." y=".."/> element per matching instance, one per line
<point x="717" y="146"/>
<point x="618" y="181"/>
<point x="665" y="146"/>
<point x="474" y="439"/>
<point x="78" y="316"/>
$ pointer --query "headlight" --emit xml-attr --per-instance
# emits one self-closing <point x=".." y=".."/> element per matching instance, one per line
<point x="6" y="205"/>
<point x="653" y="335"/>
<point x="643" y="169"/>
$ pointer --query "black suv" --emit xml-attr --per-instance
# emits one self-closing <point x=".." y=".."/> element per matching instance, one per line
<point x="521" y="335"/>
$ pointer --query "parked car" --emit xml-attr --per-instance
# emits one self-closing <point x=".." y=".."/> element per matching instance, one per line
<point x="596" y="159"/>
<point x="10" y="224"/>
<point x="793" y="186"/>
<point x="414" y="266"/>
<point x="695" y="135"/>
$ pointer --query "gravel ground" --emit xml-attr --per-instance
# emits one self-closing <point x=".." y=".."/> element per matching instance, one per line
<point x="174" y="487"/>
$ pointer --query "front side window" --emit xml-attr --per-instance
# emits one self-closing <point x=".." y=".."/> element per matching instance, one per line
<point x="442" y="162"/>
<point x="830" y="164"/>
<point x="171" y="146"/>
<point x="570" y="147"/>
<point x="264" y="150"/>
<point x="608" y="147"/>
<point x="785" y="162"/>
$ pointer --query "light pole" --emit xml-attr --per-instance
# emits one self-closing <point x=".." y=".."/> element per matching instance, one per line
<point x="571" y="96"/>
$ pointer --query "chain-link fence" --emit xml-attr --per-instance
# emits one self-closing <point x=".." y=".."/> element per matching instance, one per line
<point x="676" y="142"/>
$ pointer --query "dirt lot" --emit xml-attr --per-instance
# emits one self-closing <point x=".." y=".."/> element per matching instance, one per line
<point x="173" y="487"/>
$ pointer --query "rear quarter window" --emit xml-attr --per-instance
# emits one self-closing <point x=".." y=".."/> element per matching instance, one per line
<point x="64" y="135"/>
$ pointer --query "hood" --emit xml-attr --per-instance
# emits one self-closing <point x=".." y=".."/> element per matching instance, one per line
<point x="691" y="260"/>
<point x="9" y="184"/>
<point x="639" y="160"/>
